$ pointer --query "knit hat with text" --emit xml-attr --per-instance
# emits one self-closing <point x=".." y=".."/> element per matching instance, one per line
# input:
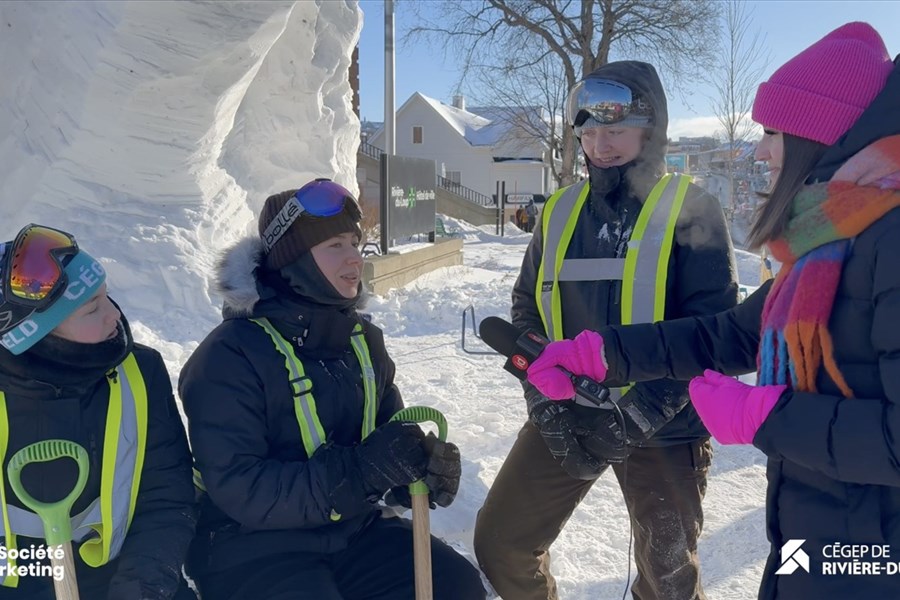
<point x="80" y="276"/>
<point x="288" y="232"/>
<point x="819" y="94"/>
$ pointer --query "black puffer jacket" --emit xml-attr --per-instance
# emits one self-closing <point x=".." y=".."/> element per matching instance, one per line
<point x="48" y="399"/>
<point x="834" y="463"/>
<point x="264" y="495"/>
<point x="701" y="278"/>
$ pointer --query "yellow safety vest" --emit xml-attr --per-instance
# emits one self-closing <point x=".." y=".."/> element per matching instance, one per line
<point x="643" y="271"/>
<point x="311" y="431"/>
<point x="103" y="525"/>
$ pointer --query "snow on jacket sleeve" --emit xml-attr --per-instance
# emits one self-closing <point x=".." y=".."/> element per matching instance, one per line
<point x="850" y="439"/>
<point x="682" y="348"/>
<point x="524" y="310"/>
<point x="164" y="516"/>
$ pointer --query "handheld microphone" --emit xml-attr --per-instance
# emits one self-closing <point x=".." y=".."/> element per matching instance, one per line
<point x="522" y="348"/>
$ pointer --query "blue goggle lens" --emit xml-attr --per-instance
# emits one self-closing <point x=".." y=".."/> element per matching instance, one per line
<point x="323" y="198"/>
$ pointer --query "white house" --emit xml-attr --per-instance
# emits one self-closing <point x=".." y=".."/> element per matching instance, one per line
<point x="476" y="148"/>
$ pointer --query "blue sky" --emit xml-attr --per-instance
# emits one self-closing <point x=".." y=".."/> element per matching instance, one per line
<point x="788" y="27"/>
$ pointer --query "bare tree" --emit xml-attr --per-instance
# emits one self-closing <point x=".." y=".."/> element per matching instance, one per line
<point x="742" y="58"/>
<point x="530" y="100"/>
<point x="508" y="40"/>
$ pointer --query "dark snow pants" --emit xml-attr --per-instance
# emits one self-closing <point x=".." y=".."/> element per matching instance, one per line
<point x="378" y="565"/>
<point x="533" y="497"/>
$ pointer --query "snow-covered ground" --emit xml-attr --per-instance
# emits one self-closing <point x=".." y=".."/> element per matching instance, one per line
<point x="484" y="406"/>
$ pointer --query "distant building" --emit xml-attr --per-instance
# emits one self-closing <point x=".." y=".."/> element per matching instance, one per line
<point x="692" y="145"/>
<point x="368" y="128"/>
<point x="478" y="147"/>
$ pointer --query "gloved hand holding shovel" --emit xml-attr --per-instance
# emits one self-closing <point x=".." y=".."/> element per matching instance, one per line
<point x="418" y="492"/>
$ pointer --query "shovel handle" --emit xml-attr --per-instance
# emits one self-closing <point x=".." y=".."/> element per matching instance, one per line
<point x="65" y="588"/>
<point x="55" y="515"/>
<point x="418" y="493"/>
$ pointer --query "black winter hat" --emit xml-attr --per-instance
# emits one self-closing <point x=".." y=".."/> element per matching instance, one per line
<point x="307" y="229"/>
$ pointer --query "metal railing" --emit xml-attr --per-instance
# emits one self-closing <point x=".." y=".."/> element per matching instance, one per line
<point x="442" y="182"/>
<point x="464" y="192"/>
<point x="370" y="150"/>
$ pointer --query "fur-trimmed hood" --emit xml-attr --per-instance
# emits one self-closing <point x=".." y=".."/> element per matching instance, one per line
<point x="235" y="276"/>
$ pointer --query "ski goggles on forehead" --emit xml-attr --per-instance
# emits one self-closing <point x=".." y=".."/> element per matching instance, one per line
<point x="33" y="272"/>
<point x="319" y="198"/>
<point x="606" y="101"/>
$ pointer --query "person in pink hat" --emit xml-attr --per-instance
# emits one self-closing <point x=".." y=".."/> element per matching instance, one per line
<point x="824" y="336"/>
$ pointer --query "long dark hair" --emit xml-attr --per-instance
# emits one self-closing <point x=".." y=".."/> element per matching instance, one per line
<point x="800" y="156"/>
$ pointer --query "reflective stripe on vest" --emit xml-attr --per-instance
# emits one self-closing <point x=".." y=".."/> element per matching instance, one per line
<point x="643" y="271"/>
<point x="311" y="430"/>
<point x="103" y="525"/>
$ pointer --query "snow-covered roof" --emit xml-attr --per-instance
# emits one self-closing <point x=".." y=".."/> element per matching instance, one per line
<point x="487" y="126"/>
<point x="467" y="124"/>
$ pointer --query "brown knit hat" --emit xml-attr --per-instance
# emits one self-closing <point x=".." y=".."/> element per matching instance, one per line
<point x="307" y="229"/>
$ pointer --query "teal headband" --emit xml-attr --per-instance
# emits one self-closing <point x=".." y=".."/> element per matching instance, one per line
<point x="85" y="275"/>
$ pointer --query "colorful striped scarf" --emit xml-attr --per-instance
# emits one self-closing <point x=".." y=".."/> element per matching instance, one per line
<point x="795" y="338"/>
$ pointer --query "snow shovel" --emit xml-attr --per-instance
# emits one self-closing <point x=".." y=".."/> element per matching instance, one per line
<point x="418" y="494"/>
<point x="55" y="515"/>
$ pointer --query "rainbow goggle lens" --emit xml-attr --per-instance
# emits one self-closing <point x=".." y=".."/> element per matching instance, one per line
<point x="33" y="271"/>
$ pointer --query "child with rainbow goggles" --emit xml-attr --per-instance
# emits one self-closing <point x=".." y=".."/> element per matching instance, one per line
<point x="289" y="402"/>
<point x="70" y="370"/>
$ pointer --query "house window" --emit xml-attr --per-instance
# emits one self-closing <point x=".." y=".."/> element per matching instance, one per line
<point x="454" y="176"/>
<point x="417" y="134"/>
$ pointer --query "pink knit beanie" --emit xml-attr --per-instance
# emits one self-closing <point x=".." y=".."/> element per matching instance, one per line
<point x="821" y="92"/>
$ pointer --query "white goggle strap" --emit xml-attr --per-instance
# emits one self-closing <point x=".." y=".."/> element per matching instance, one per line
<point x="289" y="213"/>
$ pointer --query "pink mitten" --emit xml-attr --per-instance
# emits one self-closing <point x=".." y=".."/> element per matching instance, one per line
<point x="732" y="411"/>
<point x="581" y="356"/>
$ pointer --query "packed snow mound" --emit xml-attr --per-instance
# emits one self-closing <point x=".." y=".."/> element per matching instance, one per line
<point x="154" y="131"/>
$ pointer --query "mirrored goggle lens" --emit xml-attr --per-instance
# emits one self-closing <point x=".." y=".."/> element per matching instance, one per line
<point x="35" y="268"/>
<point x="323" y="198"/>
<point x="606" y="101"/>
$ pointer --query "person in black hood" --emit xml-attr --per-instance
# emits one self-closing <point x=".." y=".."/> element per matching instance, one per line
<point x="288" y="404"/>
<point x="824" y="337"/>
<point x="631" y="244"/>
<point x="70" y="370"/>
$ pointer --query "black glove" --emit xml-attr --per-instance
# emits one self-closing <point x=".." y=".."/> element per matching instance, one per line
<point x="558" y="425"/>
<point x="442" y="477"/>
<point x="392" y="455"/>
<point x="600" y="433"/>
